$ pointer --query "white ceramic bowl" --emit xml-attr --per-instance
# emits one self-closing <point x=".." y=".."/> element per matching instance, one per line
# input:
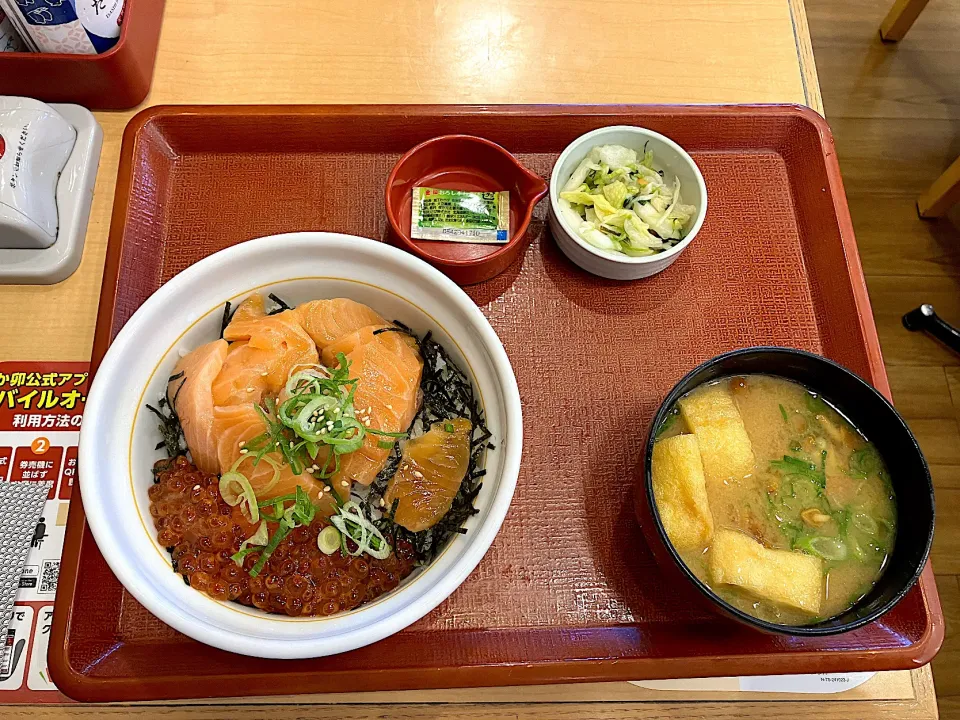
<point x="118" y="437"/>
<point x="667" y="156"/>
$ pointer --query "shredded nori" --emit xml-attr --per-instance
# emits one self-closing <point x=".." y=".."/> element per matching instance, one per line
<point x="281" y="305"/>
<point x="161" y="466"/>
<point x="447" y="394"/>
<point x="227" y="317"/>
<point x="170" y="428"/>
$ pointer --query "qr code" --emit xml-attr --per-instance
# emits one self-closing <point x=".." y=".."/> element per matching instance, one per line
<point x="48" y="577"/>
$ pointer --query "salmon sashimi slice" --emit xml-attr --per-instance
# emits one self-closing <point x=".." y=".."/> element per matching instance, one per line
<point x="191" y="392"/>
<point x="387" y="367"/>
<point x="234" y="426"/>
<point x="258" y="364"/>
<point x="327" y="320"/>
<point x="249" y="310"/>
<point x="429" y="475"/>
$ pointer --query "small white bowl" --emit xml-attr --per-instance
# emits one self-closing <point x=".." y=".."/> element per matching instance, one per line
<point x="667" y="156"/>
<point x="117" y="443"/>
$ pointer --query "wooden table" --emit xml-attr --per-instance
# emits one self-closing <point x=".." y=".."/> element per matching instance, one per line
<point x="456" y="51"/>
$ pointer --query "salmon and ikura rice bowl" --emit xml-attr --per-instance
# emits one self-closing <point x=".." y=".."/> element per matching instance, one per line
<point x="315" y="456"/>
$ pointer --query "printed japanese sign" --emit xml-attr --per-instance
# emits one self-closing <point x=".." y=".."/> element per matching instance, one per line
<point x="41" y="408"/>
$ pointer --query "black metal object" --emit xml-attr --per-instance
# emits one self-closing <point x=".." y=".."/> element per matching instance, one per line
<point x="924" y="319"/>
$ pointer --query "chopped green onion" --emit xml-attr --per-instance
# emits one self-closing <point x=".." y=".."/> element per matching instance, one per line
<point x="384" y="433"/>
<point x="273" y="515"/>
<point x="329" y="540"/>
<point x="305" y="380"/>
<point x="783" y="412"/>
<point x="342" y="439"/>
<point x="384" y="444"/>
<point x="866" y="524"/>
<point x="668" y="422"/>
<point x="282" y="531"/>
<point x="865" y="462"/>
<point x="317" y="412"/>
<point x="281" y="499"/>
<point x="256" y="460"/>
<point x="252" y="544"/>
<point x="815" y="403"/>
<point x="856" y="550"/>
<point x="448" y="427"/>
<point x="235" y="490"/>
<point x="824" y="547"/>
<point x="796" y="466"/>
<point x="352" y="524"/>
<point x="303" y="509"/>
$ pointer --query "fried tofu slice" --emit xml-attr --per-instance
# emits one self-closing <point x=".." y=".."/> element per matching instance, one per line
<point x="725" y="448"/>
<point x="680" y="491"/>
<point x="781" y="576"/>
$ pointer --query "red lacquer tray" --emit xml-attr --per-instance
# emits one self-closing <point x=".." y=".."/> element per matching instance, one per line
<point x="569" y="590"/>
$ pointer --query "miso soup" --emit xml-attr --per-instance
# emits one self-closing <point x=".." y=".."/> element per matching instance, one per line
<point x="777" y="502"/>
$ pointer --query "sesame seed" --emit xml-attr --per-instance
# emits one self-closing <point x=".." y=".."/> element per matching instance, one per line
<point x="345" y="483"/>
<point x="382" y="503"/>
<point x="417" y="473"/>
<point x="244" y="451"/>
<point x="323" y="431"/>
<point x="314" y="468"/>
<point x="264" y="373"/>
<point x="291" y="444"/>
<point x="241" y="443"/>
<point x="389" y="407"/>
<point x="196" y="487"/>
<point x="249" y="389"/>
<point x="326" y="489"/>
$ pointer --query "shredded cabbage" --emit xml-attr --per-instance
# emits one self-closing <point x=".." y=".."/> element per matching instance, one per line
<point x="617" y="201"/>
<point x="615" y="156"/>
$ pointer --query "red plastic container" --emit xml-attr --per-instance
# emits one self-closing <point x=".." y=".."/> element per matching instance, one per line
<point x="115" y="80"/>
<point x="463" y="162"/>
<point x="569" y="590"/>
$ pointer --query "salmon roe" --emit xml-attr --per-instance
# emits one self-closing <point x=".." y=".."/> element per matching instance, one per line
<point x="201" y="532"/>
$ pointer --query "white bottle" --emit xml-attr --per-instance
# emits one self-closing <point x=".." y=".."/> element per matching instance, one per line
<point x="35" y="144"/>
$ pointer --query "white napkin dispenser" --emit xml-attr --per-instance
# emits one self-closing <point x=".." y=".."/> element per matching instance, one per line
<point x="49" y="156"/>
<point x="35" y="143"/>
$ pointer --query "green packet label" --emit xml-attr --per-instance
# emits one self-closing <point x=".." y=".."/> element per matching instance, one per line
<point x="460" y="215"/>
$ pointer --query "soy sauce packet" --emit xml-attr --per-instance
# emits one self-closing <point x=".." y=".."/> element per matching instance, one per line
<point x="460" y="215"/>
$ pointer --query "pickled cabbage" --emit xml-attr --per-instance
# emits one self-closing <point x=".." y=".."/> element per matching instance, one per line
<point x="616" y="200"/>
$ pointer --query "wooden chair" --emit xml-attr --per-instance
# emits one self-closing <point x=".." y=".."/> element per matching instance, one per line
<point x="901" y="16"/>
<point x="945" y="192"/>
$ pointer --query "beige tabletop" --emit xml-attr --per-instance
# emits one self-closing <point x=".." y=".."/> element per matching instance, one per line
<point x="458" y="51"/>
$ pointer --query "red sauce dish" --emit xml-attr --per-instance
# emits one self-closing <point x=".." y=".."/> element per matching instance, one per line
<point x="463" y="162"/>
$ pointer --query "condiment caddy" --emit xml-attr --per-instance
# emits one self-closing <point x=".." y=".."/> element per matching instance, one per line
<point x="116" y="79"/>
